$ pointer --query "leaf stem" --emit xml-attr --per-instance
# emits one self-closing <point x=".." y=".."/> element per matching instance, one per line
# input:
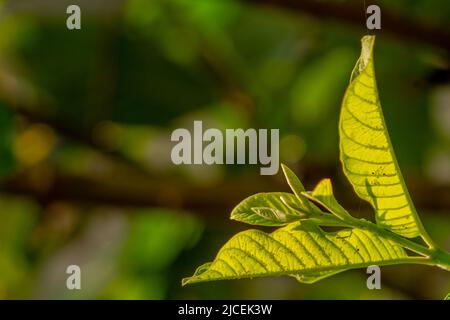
<point x="442" y="259"/>
<point x="433" y="256"/>
<point x="426" y="237"/>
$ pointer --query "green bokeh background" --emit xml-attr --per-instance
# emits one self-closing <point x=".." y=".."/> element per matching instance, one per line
<point x="86" y="118"/>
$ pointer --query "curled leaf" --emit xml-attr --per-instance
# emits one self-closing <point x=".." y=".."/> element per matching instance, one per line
<point x="268" y="209"/>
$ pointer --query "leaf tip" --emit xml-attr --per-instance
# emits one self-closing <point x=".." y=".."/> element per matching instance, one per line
<point x="197" y="275"/>
<point x="292" y="180"/>
<point x="324" y="185"/>
<point x="185" y="281"/>
<point x="367" y="44"/>
<point x="286" y="171"/>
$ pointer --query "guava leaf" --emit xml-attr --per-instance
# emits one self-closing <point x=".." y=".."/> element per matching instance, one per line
<point x="293" y="181"/>
<point x="269" y="209"/>
<point x="298" y="189"/>
<point x="273" y="216"/>
<point x="299" y="249"/>
<point x="323" y="194"/>
<point x="367" y="154"/>
<point x="313" y="277"/>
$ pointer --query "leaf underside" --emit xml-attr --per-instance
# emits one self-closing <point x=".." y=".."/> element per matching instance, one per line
<point x="259" y="208"/>
<point x="366" y="152"/>
<point x="302" y="250"/>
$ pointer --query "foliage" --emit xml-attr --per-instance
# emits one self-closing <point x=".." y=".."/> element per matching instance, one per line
<point x="302" y="248"/>
<point x="86" y="117"/>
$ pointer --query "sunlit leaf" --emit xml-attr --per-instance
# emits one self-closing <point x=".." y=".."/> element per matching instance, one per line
<point x="300" y="249"/>
<point x="304" y="250"/>
<point x="366" y="151"/>
<point x="323" y="194"/>
<point x="268" y="209"/>
<point x="298" y="188"/>
<point x="313" y="277"/>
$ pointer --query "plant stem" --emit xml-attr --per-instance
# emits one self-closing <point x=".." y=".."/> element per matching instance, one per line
<point x="434" y="256"/>
<point x="426" y="237"/>
<point x="411" y="245"/>
<point x="442" y="259"/>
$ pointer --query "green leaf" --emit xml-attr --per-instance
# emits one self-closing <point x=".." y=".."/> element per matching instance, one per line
<point x="274" y="216"/>
<point x="315" y="276"/>
<point x="298" y="189"/>
<point x="367" y="154"/>
<point x="447" y="297"/>
<point x="323" y="194"/>
<point x="269" y="209"/>
<point x="293" y="181"/>
<point x="300" y="249"/>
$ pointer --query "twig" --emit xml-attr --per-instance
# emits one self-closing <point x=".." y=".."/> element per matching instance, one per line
<point x="350" y="12"/>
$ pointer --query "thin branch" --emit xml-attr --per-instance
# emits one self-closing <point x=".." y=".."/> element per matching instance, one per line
<point x="125" y="189"/>
<point x="77" y="136"/>
<point x="400" y="26"/>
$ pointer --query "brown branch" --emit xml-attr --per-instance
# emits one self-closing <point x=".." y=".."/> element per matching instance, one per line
<point x="121" y="189"/>
<point x="400" y="26"/>
<point x="80" y="137"/>
<point x="131" y="190"/>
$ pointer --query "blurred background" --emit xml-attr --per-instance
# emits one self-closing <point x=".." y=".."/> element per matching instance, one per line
<point x="86" y="117"/>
